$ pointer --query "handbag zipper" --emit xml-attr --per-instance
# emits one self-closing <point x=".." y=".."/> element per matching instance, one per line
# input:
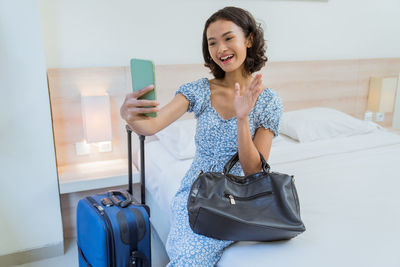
<point x="101" y="211"/>
<point x="232" y="197"/>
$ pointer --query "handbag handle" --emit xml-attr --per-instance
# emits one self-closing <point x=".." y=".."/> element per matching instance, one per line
<point x="229" y="165"/>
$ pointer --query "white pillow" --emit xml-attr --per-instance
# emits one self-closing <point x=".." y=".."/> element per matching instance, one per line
<point x="278" y="140"/>
<point x="178" y="138"/>
<point x="320" y="123"/>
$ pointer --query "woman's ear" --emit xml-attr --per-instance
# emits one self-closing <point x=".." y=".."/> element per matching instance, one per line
<point x="249" y="40"/>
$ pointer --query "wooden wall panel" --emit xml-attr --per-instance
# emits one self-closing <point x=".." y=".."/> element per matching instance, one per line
<point x="315" y="83"/>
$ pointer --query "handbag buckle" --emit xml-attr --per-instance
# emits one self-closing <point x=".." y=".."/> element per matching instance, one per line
<point x="232" y="200"/>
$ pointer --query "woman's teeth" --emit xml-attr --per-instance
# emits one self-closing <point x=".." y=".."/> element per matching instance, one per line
<point x="226" y="58"/>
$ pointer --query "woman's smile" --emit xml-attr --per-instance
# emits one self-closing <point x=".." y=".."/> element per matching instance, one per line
<point x="226" y="60"/>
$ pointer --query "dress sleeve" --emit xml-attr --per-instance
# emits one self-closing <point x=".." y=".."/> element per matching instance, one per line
<point x="270" y="111"/>
<point x="195" y="93"/>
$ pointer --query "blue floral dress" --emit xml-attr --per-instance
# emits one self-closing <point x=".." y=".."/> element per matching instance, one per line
<point x="216" y="142"/>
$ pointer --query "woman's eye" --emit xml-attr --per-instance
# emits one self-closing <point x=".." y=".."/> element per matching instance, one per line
<point x="227" y="39"/>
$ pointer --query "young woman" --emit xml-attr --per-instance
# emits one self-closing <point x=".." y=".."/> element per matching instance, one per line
<point x="234" y="112"/>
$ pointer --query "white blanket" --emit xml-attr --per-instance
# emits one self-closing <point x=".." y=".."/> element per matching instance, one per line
<point x="349" y="200"/>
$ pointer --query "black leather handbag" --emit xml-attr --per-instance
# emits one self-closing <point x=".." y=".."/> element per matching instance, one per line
<point x="263" y="206"/>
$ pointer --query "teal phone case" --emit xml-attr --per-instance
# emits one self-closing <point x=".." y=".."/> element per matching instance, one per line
<point x="142" y="72"/>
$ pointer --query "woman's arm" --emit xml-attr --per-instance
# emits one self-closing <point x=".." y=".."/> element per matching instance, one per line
<point x="248" y="148"/>
<point x="132" y="112"/>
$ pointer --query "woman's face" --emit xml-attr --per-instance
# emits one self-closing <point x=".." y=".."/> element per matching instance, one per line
<point x="225" y="38"/>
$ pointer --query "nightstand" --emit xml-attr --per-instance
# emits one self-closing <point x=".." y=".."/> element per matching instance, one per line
<point x="95" y="175"/>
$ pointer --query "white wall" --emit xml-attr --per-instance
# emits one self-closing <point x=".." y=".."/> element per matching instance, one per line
<point x="108" y="33"/>
<point x="29" y="197"/>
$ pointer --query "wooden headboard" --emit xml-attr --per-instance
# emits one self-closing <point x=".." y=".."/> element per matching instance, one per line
<point x="339" y="84"/>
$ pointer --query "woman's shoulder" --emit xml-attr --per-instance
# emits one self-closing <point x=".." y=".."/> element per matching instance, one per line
<point x="267" y="101"/>
<point x="199" y="83"/>
<point x="269" y="95"/>
<point x="196" y="93"/>
<point x="196" y="87"/>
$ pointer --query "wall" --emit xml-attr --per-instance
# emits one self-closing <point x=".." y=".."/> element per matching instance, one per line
<point x="30" y="224"/>
<point x="108" y="33"/>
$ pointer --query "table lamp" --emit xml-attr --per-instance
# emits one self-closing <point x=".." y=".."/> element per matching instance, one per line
<point x="96" y="118"/>
<point x="382" y="95"/>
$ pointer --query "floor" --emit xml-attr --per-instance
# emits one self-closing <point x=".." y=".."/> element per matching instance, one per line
<point x="70" y="258"/>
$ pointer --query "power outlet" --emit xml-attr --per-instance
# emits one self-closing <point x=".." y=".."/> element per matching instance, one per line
<point x="82" y="148"/>
<point x="105" y="146"/>
<point x="379" y="116"/>
<point x="368" y="116"/>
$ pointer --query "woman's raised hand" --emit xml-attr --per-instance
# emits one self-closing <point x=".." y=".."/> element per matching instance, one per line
<point x="243" y="104"/>
<point x="132" y="109"/>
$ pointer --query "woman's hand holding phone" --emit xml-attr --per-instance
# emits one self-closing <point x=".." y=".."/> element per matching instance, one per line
<point x="133" y="108"/>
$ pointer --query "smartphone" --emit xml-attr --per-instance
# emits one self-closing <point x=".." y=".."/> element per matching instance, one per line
<point x="143" y="75"/>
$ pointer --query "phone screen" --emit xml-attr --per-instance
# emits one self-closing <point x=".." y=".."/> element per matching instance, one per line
<point x="143" y="75"/>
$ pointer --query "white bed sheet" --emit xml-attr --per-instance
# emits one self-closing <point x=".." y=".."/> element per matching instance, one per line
<point x="348" y="191"/>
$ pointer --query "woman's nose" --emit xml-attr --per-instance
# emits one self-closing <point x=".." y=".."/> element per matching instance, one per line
<point x="221" y="49"/>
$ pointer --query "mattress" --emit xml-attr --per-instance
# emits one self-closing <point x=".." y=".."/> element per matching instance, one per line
<point x="348" y="192"/>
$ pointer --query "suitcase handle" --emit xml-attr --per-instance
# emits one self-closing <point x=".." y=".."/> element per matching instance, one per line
<point x="113" y="196"/>
<point x="142" y="169"/>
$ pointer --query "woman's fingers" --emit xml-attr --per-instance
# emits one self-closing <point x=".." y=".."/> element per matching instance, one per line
<point x="255" y="81"/>
<point x="251" y="86"/>
<point x="255" y="91"/>
<point x="143" y="110"/>
<point x="144" y="102"/>
<point x="142" y="91"/>
<point x="259" y="85"/>
<point x="133" y="108"/>
<point x="237" y="89"/>
<point x="133" y="102"/>
<point x="255" y="84"/>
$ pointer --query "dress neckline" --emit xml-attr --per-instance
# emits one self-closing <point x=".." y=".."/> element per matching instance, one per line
<point x="215" y="111"/>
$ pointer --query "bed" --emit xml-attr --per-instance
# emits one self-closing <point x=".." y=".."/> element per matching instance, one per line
<point x="347" y="185"/>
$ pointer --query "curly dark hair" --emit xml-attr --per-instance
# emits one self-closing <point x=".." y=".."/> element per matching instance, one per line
<point x="256" y="57"/>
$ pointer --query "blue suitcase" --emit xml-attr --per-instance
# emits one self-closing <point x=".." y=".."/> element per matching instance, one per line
<point x="113" y="229"/>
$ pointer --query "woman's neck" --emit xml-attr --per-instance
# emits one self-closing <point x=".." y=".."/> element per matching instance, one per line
<point x="236" y="76"/>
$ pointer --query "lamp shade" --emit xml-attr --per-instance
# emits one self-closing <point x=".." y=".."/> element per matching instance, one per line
<point x="96" y="118"/>
<point x="381" y="95"/>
